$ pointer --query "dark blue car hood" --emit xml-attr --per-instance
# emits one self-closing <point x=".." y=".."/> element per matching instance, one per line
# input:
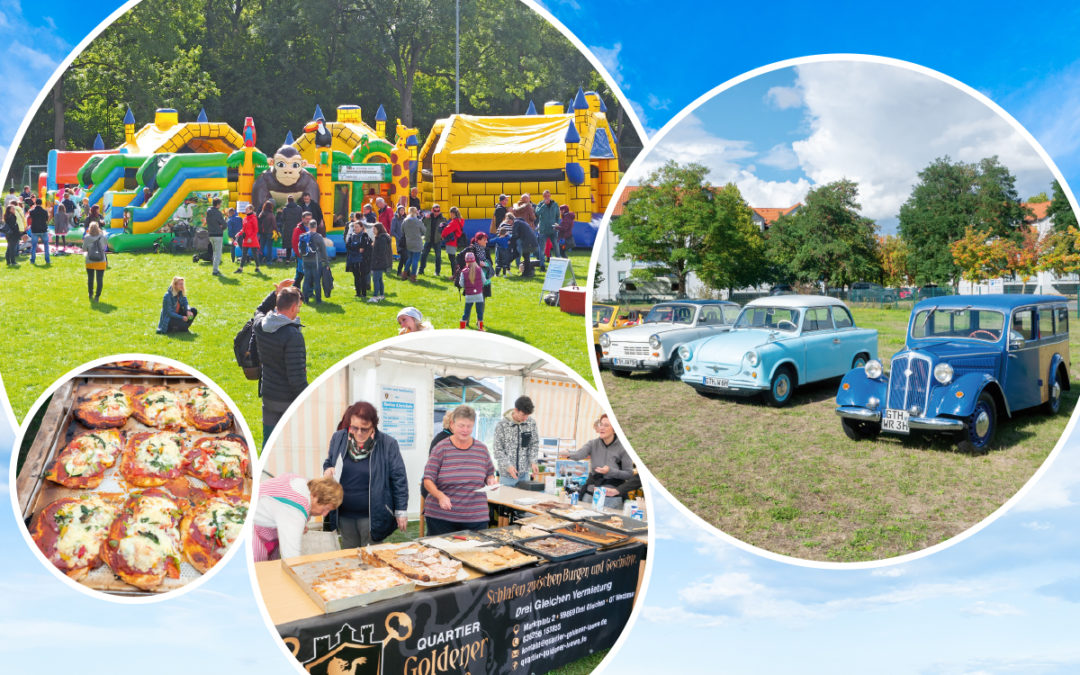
<point x="947" y="350"/>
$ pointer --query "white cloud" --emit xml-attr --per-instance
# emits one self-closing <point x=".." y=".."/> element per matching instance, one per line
<point x="983" y="608"/>
<point x="609" y="58"/>
<point x="1048" y="110"/>
<point x="679" y="615"/>
<point x="720" y="587"/>
<point x="658" y="103"/>
<point x="880" y="125"/>
<point x="1058" y="487"/>
<point x="1037" y="526"/>
<point x="890" y="572"/>
<point x="784" y="97"/>
<point x="781" y="156"/>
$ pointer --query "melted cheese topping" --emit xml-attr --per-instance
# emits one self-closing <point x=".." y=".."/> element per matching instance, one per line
<point x="92" y="451"/>
<point x="163" y="407"/>
<point x="222" y="458"/>
<point x="206" y="402"/>
<point x="160" y="453"/>
<point x="114" y="403"/>
<point x="221" y="521"/>
<point x="152" y="534"/>
<point x="83" y="525"/>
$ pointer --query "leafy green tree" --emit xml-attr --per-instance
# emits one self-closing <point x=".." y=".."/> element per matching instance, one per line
<point x="827" y="240"/>
<point x="1040" y="198"/>
<point x="949" y="198"/>
<point x="666" y="222"/>
<point x="733" y="252"/>
<point x="1060" y="209"/>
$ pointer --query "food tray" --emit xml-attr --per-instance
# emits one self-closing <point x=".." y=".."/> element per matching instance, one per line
<point x="556" y="557"/>
<point x="460" y="546"/>
<point x="461" y="575"/>
<point x="575" y="512"/>
<point x="305" y="574"/>
<point x="511" y="533"/>
<point x="543" y="522"/>
<point x="607" y="538"/>
<point x="471" y="561"/>
<point x="59" y="426"/>
<point x="626" y="525"/>
<point x="455" y="541"/>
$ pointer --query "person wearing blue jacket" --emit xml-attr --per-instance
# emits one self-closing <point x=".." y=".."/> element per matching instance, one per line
<point x="176" y="314"/>
<point x="368" y="464"/>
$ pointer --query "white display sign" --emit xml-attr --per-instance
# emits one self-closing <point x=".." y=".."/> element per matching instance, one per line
<point x="397" y="415"/>
<point x="372" y="173"/>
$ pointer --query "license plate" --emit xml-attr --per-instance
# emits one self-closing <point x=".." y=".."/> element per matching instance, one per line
<point x="716" y="382"/>
<point x="632" y="363"/>
<point x="896" y="421"/>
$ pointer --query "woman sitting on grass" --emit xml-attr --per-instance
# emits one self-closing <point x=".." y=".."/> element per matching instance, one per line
<point x="176" y="315"/>
<point x="411" y="320"/>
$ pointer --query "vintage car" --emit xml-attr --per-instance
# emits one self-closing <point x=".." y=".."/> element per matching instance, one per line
<point x="604" y="318"/>
<point x="961" y="370"/>
<point x="778" y="343"/>
<point x="653" y="344"/>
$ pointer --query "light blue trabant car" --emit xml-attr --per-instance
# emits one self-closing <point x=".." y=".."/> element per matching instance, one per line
<point x="968" y="361"/>
<point x="778" y="343"/>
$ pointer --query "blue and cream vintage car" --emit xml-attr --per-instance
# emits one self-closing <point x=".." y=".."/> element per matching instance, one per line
<point x="653" y="344"/>
<point x="969" y="361"/>
<point x="778" y="343"/>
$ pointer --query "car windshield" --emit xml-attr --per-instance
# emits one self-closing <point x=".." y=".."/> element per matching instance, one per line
<point x="960" y="322"/>
<point x="772" y="318"/>
<point x="670" y="314"/>
<point x="601" y="314"/>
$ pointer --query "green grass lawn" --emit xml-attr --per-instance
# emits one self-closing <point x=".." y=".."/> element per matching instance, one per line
<point x="53" y="327"/>
<point x="789" y="481"/>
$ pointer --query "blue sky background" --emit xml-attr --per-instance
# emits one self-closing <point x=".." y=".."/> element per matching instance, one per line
<point x="1004" y="601"/>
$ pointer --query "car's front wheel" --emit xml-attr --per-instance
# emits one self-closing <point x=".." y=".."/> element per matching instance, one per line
<point x="857" y="430"/>
<point x="1053" y="403"/>
<point x="676" y="367"/>
<point x="859" y="361"/>
<point x="783" y="383"/>
<point x="981" y="425"/>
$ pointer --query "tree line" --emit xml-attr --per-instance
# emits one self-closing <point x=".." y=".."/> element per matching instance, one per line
<point x="274" y="60"/>
<point x="961" y="220"/>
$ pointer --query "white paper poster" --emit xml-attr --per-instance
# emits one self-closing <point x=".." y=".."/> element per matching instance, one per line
<point x="397" y="415"/>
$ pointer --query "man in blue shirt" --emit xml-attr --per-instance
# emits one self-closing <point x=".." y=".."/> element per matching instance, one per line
<point x="235" y="223"/>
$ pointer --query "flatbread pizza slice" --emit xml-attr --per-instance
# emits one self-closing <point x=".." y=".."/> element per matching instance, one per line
<point x="206" y="411"/>
<point x="210" y="528"/>
<point x="151" y="458"/>
<point x="71" y="531"/>
<point x="143" y="546"/>
<point x="104" y="408"/>
<point x="82" y="463"/>
<point x="158" y="407"/>
<point x="221" y="462"/>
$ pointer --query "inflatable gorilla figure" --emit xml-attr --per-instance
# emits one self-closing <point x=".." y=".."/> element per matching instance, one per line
<point x="286" y="178"/>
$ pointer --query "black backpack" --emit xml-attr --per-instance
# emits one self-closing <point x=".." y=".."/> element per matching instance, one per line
<point x="245" y="349"/>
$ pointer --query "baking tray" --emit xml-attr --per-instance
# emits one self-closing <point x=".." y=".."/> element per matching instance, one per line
<point x="578" y="512"/>
<point x="59" y="426"/>
<point x="546" y="518"/>
<point x="473" y="541"/>
<point x="613" y="538"/>
<point x="524" y="546"/>
<point x="508" y="533"/>
<point x="305" y="574"/>
<point x="626" y="525"/>
<point x="461" y="576"/>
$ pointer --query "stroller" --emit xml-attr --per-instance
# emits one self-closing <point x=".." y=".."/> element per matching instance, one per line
<point x="200" y="243"/>
<point x="183" y="234"/>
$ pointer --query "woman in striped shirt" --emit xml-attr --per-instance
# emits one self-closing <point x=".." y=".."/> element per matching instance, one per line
<point x="457" y="467"/>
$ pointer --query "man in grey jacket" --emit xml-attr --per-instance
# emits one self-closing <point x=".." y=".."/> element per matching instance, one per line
<point x="282" y="352"/>
<point x="314" y="258"/>
<point x="215" y="228"/>
<point x="517" y="443"/>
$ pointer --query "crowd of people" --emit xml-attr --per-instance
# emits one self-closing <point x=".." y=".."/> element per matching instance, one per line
<point x="366" y="486"/>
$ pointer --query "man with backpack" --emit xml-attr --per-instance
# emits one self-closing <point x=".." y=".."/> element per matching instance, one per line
<point x="312" y="247"/>
<point x="281" y="351"/>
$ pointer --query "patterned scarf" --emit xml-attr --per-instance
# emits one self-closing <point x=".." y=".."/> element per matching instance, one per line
<point x="358" y="453"/>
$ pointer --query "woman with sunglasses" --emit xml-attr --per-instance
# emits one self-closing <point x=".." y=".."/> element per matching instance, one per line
<point x="368" y="464"/>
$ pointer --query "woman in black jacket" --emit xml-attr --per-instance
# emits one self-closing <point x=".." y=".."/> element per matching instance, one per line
<point x="382" y="260"/>
<point x="368" y="464"/>
<point x="267" y="229"/>
<point x="12" y="234"/>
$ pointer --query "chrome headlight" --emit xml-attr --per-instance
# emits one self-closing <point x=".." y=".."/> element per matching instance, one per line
<point x="605" y="341"/>
<point x="684" y="353"/>
<point x="943" y="373"/>
<point x="752" y="358"/>
<point x="654" y="341"/>
<point x="873" y="369"/>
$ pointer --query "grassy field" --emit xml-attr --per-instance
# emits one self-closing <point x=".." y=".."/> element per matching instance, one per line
<point x="54" y="327"/>
<point x="789" y="481"/>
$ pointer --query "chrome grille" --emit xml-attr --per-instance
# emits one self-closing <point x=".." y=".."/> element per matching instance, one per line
<point x="633" y="349"/>
<point x="907" y="390"/>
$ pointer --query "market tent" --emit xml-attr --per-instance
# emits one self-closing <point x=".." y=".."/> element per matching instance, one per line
<point x="400" y="381"/>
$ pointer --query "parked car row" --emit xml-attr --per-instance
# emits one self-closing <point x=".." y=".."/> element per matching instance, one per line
<point x="968" y="362"/>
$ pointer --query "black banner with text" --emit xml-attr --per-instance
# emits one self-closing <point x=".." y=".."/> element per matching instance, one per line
<point x="525" y="621"/>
